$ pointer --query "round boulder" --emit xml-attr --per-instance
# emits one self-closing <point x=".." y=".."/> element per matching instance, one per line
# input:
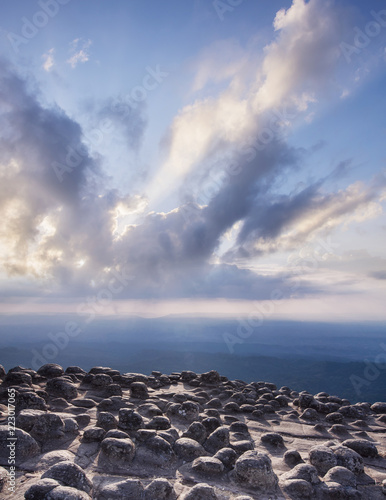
<point x="255" y="469"/>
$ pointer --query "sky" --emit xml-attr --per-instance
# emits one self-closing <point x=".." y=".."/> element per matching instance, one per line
<point x="198" y="157"/>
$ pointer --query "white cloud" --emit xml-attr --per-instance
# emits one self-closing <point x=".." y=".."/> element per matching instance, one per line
<point x="48" y="60"/>
<point x="80" y="52"/>
<point x="296" y="67"/>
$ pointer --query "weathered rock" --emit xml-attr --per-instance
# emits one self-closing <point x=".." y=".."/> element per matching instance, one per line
<point x="200" y="492"/>
<point x="272" y="438"/>
<point x="66" y="493"/>
<point x="342" y="476"/>
<point x="211" y="424"/>
<point x="362" y="446"/>
<point x="47" y="426"/>
<point x="160" y="489"/>
<point x="197" y="432"/>
<point x="31" y="401"/>
<point x="227" y="456"/>
<point x="379" y="408"/>
<point x="69" y="474"/>
<point x="130" y="420"/>
<point x="322" y="458"/>
<point x="217" y="440"/>
<point x="23" y="447"/>
<point x="298" y="488"/>
<point x="130" y="489"/>
<point x="309" y="414"/>
<point x="101" y="380"/>
<point x="208" y="465"/>
<point x="303" y="471"/>
<point x="156" y="452"/>
<point x="39" y="490"/>
<point x="106" y="420"/>
<point x="118" y="450"/>
<point x="292" y="458"/>
<point x="187" y="376"/>
<point x="188" y="449"/>
<point x="94" y="435"/>
<point x="159" y="423"/>
<point x="62" y="387"/>
<point x="255" y="469"/>
<point x="139" y="390"/>
<point x="334" y="418"/>
<point x="50" y="370"/>
<point x="349" y="458"/>
<point x="210" y="378"/>
<point x="18" y="378"/>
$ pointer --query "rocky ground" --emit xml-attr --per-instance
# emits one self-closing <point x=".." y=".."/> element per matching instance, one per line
<point x="106" y="435"/>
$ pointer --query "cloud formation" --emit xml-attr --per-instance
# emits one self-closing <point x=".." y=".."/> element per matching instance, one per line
<point x="228" y="156"/>
<point x="79" y="50"/>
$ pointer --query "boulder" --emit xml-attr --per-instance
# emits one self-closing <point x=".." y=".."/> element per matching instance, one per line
<point x="69" y="474"/>
<point x="50" y="370"/>
<point x="255" y="469"/>
<point x="188" y="449"/>
<point x="118" y="450"/>
<point x="61" y="387"/>
<point x="21" y="449"/>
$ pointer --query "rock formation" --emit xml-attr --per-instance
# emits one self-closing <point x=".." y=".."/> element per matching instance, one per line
<point x="106" y="435"/>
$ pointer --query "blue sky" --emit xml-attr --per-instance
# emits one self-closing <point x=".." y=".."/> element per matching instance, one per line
<point x="214" y="155"/>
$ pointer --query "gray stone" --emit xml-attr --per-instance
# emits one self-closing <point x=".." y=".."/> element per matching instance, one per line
<point x="217" y="440"/>
<point x="160" y="489"/>
<point x="210" y="378"/>
<point x="39" y="490"/>
<point x="156" y="452"/>
<point x="50" y="370"/>
<point x="62" y="388"/>
<point x="118" y="450"/>
<point x="106" y="420"/>
<point x="25" y="446"/>
<point x="66" y="493"/>
<point x="208" y="465"/>
<point x="292" y="458"/>
<point x="188" y="449"/>
<point x="130" y="489"/>
<point x="159" y="423"/>
<point x="139" y="390"/>
<point x="255" y="469"/>
<point x="349" y="458"/>
<point x="342" y="476"/>
<point x="379" y="408"/>
<point x="93" y="435"/>
<point x="200" y="492"/>
<point x="298" y="488"/>
<point x="130" y="420"/>
<point x="365" y="448"/>
<point x="272" y="438"/>
<point x="69" y="474"/>
<point x="47" y="426"/>
<point x="197" y="432"/>
<point x="303" y="471"/>
<point x="322" y="458"/>
<point x="227" y="456"/>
